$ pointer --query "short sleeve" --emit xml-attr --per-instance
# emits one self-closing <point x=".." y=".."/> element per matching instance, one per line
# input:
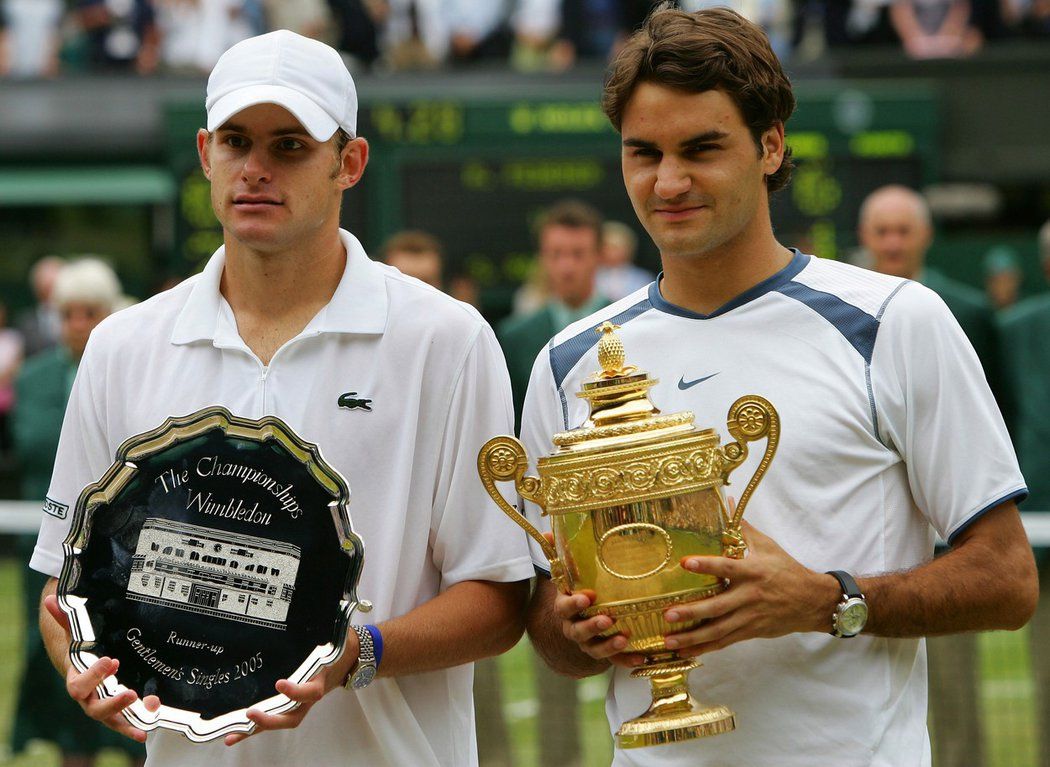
<point x="83" y="457"/>
<point x="471" y="538"/>
<point x="935" y="408"/>
<point x="540" y="421"/>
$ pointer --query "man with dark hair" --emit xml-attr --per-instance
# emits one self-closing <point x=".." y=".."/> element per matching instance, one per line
<point x="888" y="433"/>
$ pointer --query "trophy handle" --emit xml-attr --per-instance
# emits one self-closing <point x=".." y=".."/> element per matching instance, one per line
<point x="504" y="459"/>
<point x="750" y="418"/>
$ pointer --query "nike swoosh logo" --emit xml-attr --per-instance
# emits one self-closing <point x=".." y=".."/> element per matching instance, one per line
<point x="683" y="384"/>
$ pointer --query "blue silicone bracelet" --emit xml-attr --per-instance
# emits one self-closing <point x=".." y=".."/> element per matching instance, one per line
<point x="377" y="642"/>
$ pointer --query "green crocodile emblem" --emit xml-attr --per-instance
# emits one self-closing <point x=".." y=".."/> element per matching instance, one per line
<point x="351" y="402"/>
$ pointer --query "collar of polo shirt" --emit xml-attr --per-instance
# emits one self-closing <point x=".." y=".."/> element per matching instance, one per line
<point x="359" y="304"/>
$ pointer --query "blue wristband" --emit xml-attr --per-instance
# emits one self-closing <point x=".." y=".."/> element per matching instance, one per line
<point x="377" y="642"/>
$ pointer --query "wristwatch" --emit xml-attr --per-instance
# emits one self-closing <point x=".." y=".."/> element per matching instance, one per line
<point x="364" y="671"/>
<point x="852" y="612"/>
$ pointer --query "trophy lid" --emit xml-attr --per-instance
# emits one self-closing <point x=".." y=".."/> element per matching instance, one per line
<point x="621" y="412"/>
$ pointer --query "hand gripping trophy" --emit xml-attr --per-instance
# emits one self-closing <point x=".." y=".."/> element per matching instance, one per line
<point x="629" y="493"/>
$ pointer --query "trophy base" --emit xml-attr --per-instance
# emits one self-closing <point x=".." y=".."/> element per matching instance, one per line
<point x="674" y="715"/>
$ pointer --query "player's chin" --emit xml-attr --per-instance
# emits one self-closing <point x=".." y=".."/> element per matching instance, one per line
<point x="258" y="233"/>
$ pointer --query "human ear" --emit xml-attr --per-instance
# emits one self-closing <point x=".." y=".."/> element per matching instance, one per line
<point x="773" y="148"/>
<point x="352" y="162"/>
<point x="203" y="147"/>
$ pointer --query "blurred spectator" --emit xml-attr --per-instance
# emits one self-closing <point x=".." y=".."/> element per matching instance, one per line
<point x="570" y="240"/>
<point x="414" y="34"/>
<point x="618" y="275"/>
<point x="548" y="34"/>
<point x="357" y="26"/>
<point x="477" y="31"/>
<point x="416" y="254"/>
<point x="121" y="35"/>
<point x="1002" y="277"/>
<point x="194" y="33"/>
<point x="311" y="18"/>
<point x="39" y="325"/>
<point x="552" y="34"/>
<point x="896" y="229"/>
<point x="29" y="37"/>
<point x="1024" y="330"/>
<point x="774" y="16"/>
<point x="11" y="351"/>
<point x="85" y="292"/>
<point x="931" y="29"/>
<point x="820" y="24"/>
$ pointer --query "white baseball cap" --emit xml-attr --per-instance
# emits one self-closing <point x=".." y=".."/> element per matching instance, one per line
<point x="306" y="77"/>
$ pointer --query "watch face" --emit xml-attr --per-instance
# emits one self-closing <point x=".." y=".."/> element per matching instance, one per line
<point x="853" y="617"/>
<point x="363" y="677"/>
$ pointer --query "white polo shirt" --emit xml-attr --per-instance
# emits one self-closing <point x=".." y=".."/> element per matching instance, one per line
<point x="888" y="432"/>
<point x="439" y="389"/>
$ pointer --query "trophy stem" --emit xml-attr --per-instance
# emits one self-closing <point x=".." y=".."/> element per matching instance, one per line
<point x="674" y="714"/>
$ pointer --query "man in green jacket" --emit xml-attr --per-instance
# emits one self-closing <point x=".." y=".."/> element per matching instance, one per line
<point x="569" y="235"/>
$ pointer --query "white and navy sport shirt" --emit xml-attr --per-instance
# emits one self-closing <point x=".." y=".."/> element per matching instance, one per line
<point x="889" y="433"/>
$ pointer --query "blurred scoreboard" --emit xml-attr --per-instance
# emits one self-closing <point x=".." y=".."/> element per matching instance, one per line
<point x="476" y="172"/>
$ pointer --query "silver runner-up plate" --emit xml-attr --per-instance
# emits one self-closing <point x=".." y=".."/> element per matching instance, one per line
<point x="214" y="558"/>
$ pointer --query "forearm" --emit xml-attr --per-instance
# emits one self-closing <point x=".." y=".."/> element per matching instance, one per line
<point x="544" y="627"/>
<point x="987" y="581"/>
<point x="56" y="639"/>
<point x="470" y="621"/>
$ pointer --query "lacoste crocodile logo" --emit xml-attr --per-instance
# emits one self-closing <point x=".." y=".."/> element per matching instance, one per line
<point x="684" y="384"/>
<point x="350" y="402"/>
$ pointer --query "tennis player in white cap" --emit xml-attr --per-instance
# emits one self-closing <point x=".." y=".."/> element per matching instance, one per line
<point x="399" y="384"/>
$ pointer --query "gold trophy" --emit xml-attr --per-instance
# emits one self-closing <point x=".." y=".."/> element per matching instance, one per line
<point x="630" y="493"/>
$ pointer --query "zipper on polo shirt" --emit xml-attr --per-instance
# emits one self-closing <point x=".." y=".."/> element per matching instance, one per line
<point x="265" y="369"/>
<point x="262" y="383"/>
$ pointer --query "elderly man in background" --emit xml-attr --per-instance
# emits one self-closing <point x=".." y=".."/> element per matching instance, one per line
<point x="85" y="292"/>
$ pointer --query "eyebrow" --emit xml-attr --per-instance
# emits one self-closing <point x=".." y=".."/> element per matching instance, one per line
<point x="706" y="137"/>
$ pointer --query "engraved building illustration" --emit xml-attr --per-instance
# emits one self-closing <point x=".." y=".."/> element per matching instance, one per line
<point x="238" y="577"/>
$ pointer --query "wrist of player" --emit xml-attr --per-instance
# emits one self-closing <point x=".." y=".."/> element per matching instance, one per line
<point x="369" y="642"/>
<point x="826" y="595"/>
<point x="341" y="669"/>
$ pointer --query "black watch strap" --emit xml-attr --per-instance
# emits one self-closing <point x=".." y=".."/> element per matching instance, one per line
<point x="849" y="586"/>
